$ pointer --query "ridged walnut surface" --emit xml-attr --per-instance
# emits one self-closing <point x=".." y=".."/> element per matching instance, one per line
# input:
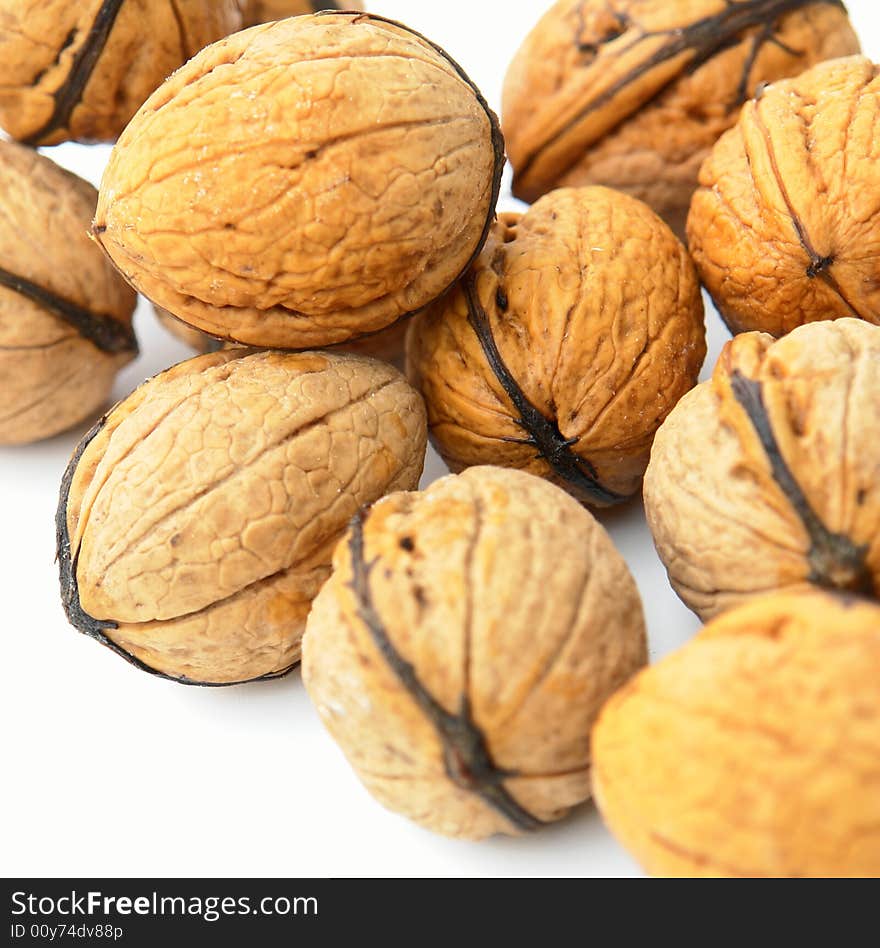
<point x="753" y="750"/>
<point x="303" y="182"/>
<point x="766" y="477"/>
<point x="264" y="11"/>
<point x="65" y="314"/>
<point x="80" y="69"/>
<point x="785" y="228"/>
<point x="633" y="94"/>
<point x="197" y="522"/>
<point x="463" y="645"/>
<point x="595" y="310"/>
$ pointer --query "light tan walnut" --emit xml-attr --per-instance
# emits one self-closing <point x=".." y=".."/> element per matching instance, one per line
<point x="197" y="520"/>
<point x="753" y="750"/>
<point x="633" y="94"/>
<point x="304" y="182"/>
<point x="80" y="69"/>
<point x="785" y="228"/>
<point x="463" y="645"/>
<point x="572" y="337"/>
<point x="65" y="314"/>
<point x="766" y="477"/>
<point x="264" y="11"/>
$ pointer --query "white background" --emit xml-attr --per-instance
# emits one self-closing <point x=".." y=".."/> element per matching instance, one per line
<point x="109" y="772"/>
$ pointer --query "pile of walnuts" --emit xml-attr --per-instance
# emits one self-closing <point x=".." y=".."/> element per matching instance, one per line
<point x="312" y="199"/>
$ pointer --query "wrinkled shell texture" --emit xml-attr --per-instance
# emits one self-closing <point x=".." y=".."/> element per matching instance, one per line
<point x="753" y="750"/>
<point x="595" y="309"/>
<point x="303" y="182"/>
<point x="515" y="617"/>
<point x="264" y="11"/>
<point x="81" y="70"/>
<point x="633" y="94"/>
<point x="785" y="228"/>
<point x="202" y="515"/>
<point x="767" y="476"/>
<point x="51" y="374"/>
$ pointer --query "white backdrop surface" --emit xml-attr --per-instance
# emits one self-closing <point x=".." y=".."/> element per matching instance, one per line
<point x="110" y="772"/>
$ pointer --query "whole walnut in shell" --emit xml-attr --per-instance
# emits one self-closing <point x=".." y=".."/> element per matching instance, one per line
<point x="753" y="750"/>
<point x="303" y="182"/>
<point x="264" y="11"/>
<point x="574" y="334"/>
<point x="80" y="70"/>
<point x="463" y="646"/>
<point x="766" y="477"/>
<point x="634" y="93"/>
<point x="785" y="228"/>
<point x="197" y="520"/>
<point x="65" y="314"/>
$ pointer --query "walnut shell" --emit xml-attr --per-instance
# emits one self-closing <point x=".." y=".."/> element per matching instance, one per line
<point x="463" y="645"/>
<point x="65" y="314"/>
<point x="197" y="520"/>
<point x="785" y="228"/>
<point x="264" y="11"/>
<point x="303" y="182"/>
<point x="766" y="477"/>
<point x="194" y="338"/>
<point x="79" y="71"/>
<point x="574" y="334"/>
<point x="633" y="94"/>
<point x="753" y="750"/>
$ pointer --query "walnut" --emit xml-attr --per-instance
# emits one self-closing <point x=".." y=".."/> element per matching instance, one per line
<point x="633" y="93"/>
<point x="463" y="645"/>
<point x="753" y="750"/>
<point x="65" y="314"/>
<point x="766" y="476"/>
<point x="264" y="11"/>
<point x="785" y="228"/>
<point x="303" y="182"/>
<point x="81" y="70"/>
<point x="197" y="520"/>
<point x="194" y="338"/>
<point x="574" y="334"/>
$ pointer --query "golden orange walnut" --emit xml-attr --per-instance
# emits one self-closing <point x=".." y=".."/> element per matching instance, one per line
<point x="633" y="94"/>
<point x="573" y="335"/>
<point x="753" y="750"/>
<point x="304" y="182"/>
<point x="785" y="228"/>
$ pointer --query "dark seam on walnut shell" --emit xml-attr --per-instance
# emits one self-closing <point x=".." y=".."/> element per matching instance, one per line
<point x="705" y="38"/>
<point x="819" y="266"/>
<point x="835" y="561"/>
<point x="69" y="93"/>
<point x="67" y="563"/>
<point x="543" y="433"/>
<point x="466" y="757"/>
<point x="108" y="334"/>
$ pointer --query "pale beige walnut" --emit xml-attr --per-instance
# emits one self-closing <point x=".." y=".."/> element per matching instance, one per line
<point x="574" y="334"/>
<point x="303" y="182"/>
<point x="633" y="94"/>
<point x="387" y="344"/>
<point x="65" y="314"/>
<point x="463" y="645"/>
<point x="264" y="11"/>
<point x="785" y="228"/>
<point x="753" y="750"/>
<point x="766" y="477"/>
<point x="197" y="521"/>
<point x="80" y="69"/>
